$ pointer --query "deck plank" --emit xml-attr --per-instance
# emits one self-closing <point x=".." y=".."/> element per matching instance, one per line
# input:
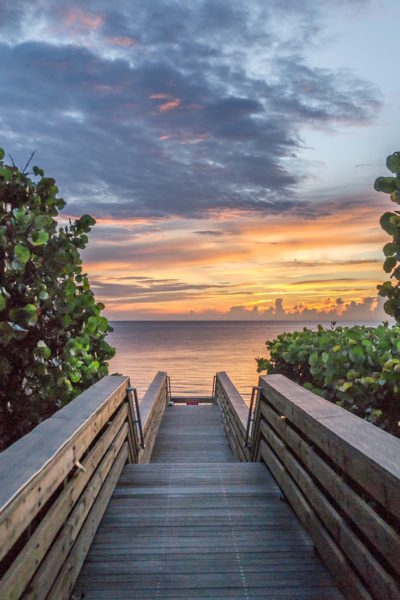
<point x="211" y="528"/>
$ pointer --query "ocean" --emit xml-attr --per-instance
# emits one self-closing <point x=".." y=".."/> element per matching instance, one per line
<point x="191" y="352"/>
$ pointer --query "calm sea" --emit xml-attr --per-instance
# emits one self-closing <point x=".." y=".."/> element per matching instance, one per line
<point x="191" y="352"/>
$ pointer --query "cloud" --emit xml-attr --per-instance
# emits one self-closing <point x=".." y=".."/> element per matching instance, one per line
<point x="168" y="108"/>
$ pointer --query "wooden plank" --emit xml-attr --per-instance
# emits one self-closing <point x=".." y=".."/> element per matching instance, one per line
<point x="66" y="579"/>
<point x="15" y="580"/>
<point x="364" y="452"/>
<point x="33" y="467"/>
<point x="45" y="575"/>
<point x="152" y="408"/>
<point x="239" y="406"/>
<point x="234" y="414"/>
<point x="240" y="549"/>
<point x="191" y="434"/>
<point x="385" y="539"/>
<point x="333" y="557"/>
<point x="381" y="584"/>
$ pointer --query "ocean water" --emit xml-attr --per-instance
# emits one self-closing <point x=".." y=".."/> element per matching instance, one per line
<point x="191" y="352"/>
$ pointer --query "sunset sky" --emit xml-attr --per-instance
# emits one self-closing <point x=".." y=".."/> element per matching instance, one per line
<point x="226" y="149"/>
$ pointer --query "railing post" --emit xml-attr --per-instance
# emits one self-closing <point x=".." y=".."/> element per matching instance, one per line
<point x="250" y="418"/>
<point x="138" y="420"/>
<point x="169" y="393"/>
<point x="214" y="389"/>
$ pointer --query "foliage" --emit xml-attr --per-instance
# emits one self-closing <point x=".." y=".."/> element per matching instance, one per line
<point x="52" y="333"/>
<point x="390" y="222"/>
<point x="356" y="367"/>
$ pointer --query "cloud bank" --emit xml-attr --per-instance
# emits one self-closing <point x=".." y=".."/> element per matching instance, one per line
<point x="169" y="108"/>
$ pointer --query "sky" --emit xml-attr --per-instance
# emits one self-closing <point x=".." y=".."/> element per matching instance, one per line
<point x="226" y="149"/>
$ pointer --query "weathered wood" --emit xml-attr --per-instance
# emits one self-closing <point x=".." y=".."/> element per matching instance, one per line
<point x="33" y="468"/>
<point x="382" y="535"/>
<point x="380" y="583"/>
<point x="69" y="572"/>
<point x="333" y="557"/>
<point x="152" y="408"/>
<point x="49" y="568"/>
<point x="364" y="452"/>
<point x="15" y="580"/>
<point x="347" y="470"/>
<point x="191" y="434"/>
<point x="255" y="556"/>
<point x="234" y="414"/>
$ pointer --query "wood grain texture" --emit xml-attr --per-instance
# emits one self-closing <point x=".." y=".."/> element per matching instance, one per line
<point x="210" y="530"/>
<point x="340" y="475"/>
<point x="234" y="414"/>
<point x="152" y="407"/>
<point x="366" y="453"/>
<point x="15" y="580"/>
<point x="191" y="434"/>
<point x="33" y="467"/>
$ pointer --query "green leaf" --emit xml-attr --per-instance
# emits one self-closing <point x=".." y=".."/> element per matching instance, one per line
<point x="389" y="249"/>
<point x="21" y="253"/>
<point x="27" y="314"/>
<point x="385" y="184"/>
<point x="313" y="359"/>
<point x="43" y="349"/>
<point x="325" y="357"/>
<point x="393" y="162"/>
<point x="2" y="154"/>
<point x="389" y="264"/>
<point x="39" y="238"/>
<point x="386" y="222"/>
<point x="2" y="302"/>
<point x="395" y="196"/>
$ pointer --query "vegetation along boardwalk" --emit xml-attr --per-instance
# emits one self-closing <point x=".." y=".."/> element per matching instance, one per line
<point x="113" y="498"/>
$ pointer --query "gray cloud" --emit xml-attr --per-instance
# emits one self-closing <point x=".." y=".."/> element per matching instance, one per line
<point x="169" y="108"/>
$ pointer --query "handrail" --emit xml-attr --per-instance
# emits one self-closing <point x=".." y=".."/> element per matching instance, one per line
<point x="56" y="482"/>
<point x="152" y="407"/>
<point x="234" y="413"/>
<point x="56" y="479"/>
<point x="341" y="475"/>
<point x="250" y="418"/>
<point x="138" y="420"/>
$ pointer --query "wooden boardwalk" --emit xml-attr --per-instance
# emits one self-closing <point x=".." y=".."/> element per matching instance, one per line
<point x="192" y="434"/>
<point x="195" y="524"/>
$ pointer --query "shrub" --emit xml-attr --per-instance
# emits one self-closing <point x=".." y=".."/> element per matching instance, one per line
<point x="356" y="367"/>
<point x="390" y="222"/>
<point x="52" y="333"/>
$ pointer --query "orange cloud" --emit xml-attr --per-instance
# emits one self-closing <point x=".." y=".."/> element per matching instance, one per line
<point x="125" y="41"/>
<point x="77" y="17"/>
<point x="171" y="105"/>
<point x="158" y="96"/>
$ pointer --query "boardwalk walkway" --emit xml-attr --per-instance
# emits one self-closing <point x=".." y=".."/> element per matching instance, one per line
<point x="195" y="524"/>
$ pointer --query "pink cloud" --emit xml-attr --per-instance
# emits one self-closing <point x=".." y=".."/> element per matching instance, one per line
<point x="171" y="105"/>
<point x="125" y="41"/>
<point x="158" y="96"/>
<point x="77" y="17"/>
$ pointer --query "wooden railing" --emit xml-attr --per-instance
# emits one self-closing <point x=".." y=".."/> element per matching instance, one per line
<point x="152" y="408"/>
<point x="56" y="482"/>
<point x="341" y="475"/>
<point x="234" y="413"/>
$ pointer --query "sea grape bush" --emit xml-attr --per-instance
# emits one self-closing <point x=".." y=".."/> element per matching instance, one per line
<point x="52" y="333"/>
<point x="390" y="222"/>
<point x="356" y="367"/>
